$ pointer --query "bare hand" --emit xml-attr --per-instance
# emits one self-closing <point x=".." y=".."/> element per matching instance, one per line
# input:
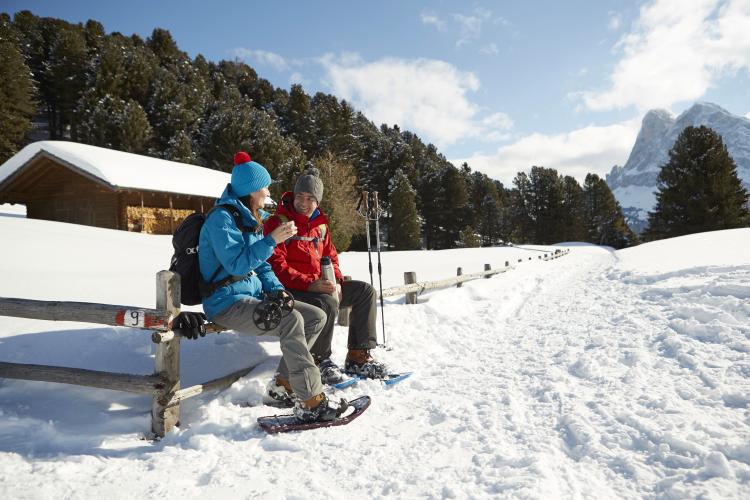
<point x="322" y="286"/>
<point x="284" y="232"/>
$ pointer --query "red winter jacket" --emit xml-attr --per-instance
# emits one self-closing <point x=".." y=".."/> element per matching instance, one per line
<point x="297" y="262"/>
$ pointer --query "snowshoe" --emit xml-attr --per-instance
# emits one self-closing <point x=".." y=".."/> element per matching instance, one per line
<point x="285" y="423"/>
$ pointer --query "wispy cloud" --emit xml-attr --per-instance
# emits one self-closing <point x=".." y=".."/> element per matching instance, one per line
<point x="592" y="149"/>
<point x="433" y="20"/>
<point x="468" y="28"/>
<point x="263" y="57"/>
<point x="470" y="25"/>
<point x="676" y="52"/>
<point x="427" y="96"/>
<point x="615" y="21"/>
<point x="490" y="49"/>
<point x="297" y="77"/>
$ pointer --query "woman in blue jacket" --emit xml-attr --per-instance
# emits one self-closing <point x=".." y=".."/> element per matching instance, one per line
<point x="233" y="265"/>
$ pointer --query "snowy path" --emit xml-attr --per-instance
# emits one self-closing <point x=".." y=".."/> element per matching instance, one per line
<point x="596" y="387"/>
<point x="564" y="380"/>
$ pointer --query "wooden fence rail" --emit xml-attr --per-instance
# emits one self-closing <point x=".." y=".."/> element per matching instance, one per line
<point x="164" y="384"/>
<point x="412" y="288"/>
<point x="85" y="312"/>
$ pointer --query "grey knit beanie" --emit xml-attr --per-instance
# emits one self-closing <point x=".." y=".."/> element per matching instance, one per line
<point x="309" y="182"/>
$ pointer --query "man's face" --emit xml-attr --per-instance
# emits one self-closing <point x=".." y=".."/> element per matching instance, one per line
<point x="305" y="204"/>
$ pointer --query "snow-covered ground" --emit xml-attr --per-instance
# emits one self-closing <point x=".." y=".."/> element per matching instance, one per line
<point x="598" y="375"/>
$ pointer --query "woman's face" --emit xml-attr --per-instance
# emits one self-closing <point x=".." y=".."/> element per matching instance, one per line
<point x="258" y="198"/>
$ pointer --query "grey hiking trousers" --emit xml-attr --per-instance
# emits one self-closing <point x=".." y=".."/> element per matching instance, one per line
<point x="358" y="295"/>
<point x="297" y="332"/>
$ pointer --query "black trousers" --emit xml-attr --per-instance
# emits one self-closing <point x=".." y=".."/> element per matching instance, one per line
<point x="358" y="295"/>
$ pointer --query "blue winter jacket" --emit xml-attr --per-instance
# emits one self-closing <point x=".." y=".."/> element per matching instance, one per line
<point x="223" y="244"/>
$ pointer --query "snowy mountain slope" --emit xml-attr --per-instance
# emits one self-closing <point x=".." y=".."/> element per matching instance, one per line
<point x="599" y="375"/>
<point x="634" y="183"/>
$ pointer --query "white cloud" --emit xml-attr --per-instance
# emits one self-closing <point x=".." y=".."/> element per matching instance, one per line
<point x="592" y="149"/>
<point x="297" y="77"/>
<point x="431" y="19"/>
<point x="747" y="116"/>
<point x="615" y="21"/>
<point x="471" y="25"/>
<point x="676" y="51"/>
<point x="489" y="49"/>
<point x="426" y="96"/>
<point x="263" y="57"/>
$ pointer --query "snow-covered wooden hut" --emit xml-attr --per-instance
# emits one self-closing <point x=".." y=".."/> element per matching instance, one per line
<point x="82" y="184"/>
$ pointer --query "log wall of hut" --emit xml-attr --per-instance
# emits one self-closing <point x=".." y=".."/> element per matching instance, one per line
<point x="51" y="191"/>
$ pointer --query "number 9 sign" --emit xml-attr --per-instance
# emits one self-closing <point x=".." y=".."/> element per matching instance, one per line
<point x="134" y="318"/>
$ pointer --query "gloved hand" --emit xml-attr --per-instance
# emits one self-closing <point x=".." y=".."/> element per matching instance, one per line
<point x="190" y="324"/>
<point x="281" y="295"/>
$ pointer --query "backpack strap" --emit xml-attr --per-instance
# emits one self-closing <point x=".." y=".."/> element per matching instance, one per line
<point x="208" y="288"/>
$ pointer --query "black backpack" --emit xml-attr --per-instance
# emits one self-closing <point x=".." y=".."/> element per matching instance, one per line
<point x="185" y="259"/>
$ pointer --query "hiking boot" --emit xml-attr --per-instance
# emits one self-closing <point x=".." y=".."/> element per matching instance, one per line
<point x="279" y="393"/>
<point x="330" y="373"/>
<point x="319" y="409"/>
<point x="360" y="363"/>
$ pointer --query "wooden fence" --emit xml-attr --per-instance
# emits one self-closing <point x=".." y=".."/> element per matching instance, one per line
<point x="164" y="384"/>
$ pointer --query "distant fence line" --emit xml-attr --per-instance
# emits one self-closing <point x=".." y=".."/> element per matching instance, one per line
<point x="164" y="384"/>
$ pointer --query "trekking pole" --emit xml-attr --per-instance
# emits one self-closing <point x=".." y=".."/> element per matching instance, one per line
<point x="380" y="268"/>
<point x="365" y="213"/>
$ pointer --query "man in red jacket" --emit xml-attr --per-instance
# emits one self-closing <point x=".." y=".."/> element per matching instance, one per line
<point x="296" y="263"/>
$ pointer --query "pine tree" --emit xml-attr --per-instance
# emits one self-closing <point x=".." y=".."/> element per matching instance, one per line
<point x="180" y="149"/>
<point x="574" y="211"/>
<point x="538" y="205"/>
<point x="490" y="219"/>
<point x="235" y="125"/>
<point x="522" y="209"/>
<point x="111" y="122"/>
<point x="605" y="223"/>
<point x="698" y="188"/>
<point x="64" y="75"/>
<point x="404" y="223"/>
<point x="16" y="92"/>
<point x="165" y="48"/>
<point x="295" y="119"/>
<point x="450" y="196"/>
<point x="469" y="238"/>
<point x="133" y="132"/>
<point x="547" y="205"/>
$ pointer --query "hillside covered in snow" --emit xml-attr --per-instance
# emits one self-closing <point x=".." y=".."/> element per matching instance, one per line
<point x="601" y="374"/>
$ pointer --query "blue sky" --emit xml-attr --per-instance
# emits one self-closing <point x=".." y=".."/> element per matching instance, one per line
<point x="503" y="85"/>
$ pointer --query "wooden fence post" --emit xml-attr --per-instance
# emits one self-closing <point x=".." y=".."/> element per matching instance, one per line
<point x="487" y="267"/>
<point x="507" y="263"/>
<point x="167" y="362"/>
<point x="409" y="278"/>
<point x="459" y="272"/>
